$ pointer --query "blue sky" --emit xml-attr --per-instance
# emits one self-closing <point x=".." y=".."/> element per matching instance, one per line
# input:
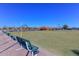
<point x="39" y="14"/>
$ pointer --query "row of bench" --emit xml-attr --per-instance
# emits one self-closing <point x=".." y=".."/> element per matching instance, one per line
<point x="26" y="44"/>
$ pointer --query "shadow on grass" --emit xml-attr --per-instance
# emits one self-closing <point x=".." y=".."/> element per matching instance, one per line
<point x="75" y="52"/>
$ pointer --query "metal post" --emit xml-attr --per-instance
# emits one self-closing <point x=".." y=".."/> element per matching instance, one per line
<point x="21" y="31"/>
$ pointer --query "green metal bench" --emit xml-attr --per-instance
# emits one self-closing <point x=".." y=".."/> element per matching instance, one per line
<point x="28" y="46"/>
<point x="25" y="44"/>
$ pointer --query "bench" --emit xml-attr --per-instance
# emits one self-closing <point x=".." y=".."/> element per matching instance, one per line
<point x="26" y="44"/>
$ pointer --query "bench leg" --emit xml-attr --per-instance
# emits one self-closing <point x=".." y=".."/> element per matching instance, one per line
<point x="27" y="53"/>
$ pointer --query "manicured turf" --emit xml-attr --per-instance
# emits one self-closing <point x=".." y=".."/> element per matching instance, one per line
<point x="61" y="42"/>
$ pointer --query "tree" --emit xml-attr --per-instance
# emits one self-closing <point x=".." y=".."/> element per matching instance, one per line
<point x="65" y="27"/>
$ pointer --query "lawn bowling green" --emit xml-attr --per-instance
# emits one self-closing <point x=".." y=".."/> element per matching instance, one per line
<point x="61" y="42"/>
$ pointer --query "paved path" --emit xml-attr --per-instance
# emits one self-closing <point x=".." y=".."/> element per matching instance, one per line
<point x="9" y="47"/>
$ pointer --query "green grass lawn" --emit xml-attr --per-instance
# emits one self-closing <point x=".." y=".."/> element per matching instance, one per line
<point x="61" y="42"/>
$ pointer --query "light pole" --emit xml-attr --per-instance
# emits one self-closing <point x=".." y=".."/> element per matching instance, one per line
<point x="21" y="30"/>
